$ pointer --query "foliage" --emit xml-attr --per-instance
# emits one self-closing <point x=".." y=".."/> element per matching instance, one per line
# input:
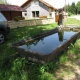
<point x="3" y="2"/>
<point x="71" y="8"/>
<point x="43" y="17"/>
<point x="68" y="8"/>
<point x="18" y="18"/>
<point x="69" y="13"/>
<point x="78" y="6"/>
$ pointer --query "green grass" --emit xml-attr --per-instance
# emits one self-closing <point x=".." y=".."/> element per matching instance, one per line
<point x="10" y="69"/>
<point x="17" y="68"/>
<point x="72" y="21"/>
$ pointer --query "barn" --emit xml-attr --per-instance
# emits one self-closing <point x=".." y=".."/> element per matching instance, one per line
<point x="11" y="11"/>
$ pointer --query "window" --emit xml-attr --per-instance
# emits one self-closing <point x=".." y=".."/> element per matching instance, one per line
<point x="35" y="13"/>
<point x="25" y="14"/>
<point x="50" y="14"/>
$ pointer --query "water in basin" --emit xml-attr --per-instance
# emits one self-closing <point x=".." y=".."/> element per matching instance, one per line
<point x="48" y="44"/>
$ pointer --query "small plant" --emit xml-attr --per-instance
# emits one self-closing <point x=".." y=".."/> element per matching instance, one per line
<point x="19" y="18"/>
<point x="63" y="59"/>
<point x="69" y="14"/>
<point x="43" y="17"/>
<point x="16" y="19"/>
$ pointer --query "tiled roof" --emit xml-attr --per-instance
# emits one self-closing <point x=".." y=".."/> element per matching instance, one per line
<point x="26" y="3"/>
<point x="47" y="4"/>
<point x="6" y="7"/>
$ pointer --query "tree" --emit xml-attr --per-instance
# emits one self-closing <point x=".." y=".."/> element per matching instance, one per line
<point x="3" y="2"/>
<point x="78" y="6"/>
<point x="73" y="8"/>
<point x="68" y="8"/>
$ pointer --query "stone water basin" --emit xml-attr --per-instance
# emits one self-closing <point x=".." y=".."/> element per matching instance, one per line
<point x="45" y="47"/>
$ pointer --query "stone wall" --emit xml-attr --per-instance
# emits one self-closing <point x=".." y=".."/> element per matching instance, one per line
<point x="32" y="22"/>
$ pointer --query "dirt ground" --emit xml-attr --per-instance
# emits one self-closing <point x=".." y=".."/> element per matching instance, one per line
<point x="70" y="70"/>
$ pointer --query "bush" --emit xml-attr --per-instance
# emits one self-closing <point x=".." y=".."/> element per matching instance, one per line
<point x="21" y="18"/>
<point x="18" y="18"/>
<point x="69" y="13"/>
<point x="43" y="17"/>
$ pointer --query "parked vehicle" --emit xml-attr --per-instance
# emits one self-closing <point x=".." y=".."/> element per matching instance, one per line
<point x="4" y="28"/>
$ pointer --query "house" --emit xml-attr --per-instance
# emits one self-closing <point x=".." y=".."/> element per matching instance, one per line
<point x="38" y="8"/>
<point x="11" y="11"/>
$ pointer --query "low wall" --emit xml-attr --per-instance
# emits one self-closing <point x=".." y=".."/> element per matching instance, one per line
<point x="32" y="22"/>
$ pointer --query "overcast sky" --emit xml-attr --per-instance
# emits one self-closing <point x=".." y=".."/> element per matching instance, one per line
<point x="54" y="3"/>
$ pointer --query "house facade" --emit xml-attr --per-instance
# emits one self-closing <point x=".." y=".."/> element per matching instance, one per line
<point x="37" y="9"/>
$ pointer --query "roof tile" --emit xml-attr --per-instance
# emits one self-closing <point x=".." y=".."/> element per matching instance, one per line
<point x="6" y="7"/>
<point x="28" y="1"/>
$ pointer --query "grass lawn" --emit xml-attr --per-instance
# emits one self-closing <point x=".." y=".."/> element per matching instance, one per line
<point x="5" y="49"/>
<point x="72" y="21"/>
<point x="17" y="68"/>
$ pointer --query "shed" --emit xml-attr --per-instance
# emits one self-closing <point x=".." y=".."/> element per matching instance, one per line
<point x="11" y="11"/>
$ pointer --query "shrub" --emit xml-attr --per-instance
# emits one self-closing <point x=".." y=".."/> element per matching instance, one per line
<point x="43" y="17"/>
<point x="69" y="13"/>
<point x="21" y="18"/>
<point x="18" y="18"/>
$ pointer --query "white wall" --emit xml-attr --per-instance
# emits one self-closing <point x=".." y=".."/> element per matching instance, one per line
<point x="53" y="16"/>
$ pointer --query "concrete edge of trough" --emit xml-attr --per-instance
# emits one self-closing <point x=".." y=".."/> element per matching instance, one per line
<point x="64" y="45"/>
<point x="34" y="37"/>
<point x="75" y="29"/>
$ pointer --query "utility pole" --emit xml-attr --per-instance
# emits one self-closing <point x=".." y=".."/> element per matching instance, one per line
<point x="65" y="10"/>
<point x="65" y="7"/>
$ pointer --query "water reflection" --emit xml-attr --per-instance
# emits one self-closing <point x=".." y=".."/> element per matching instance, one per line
<point x="34" y="42"/>
<point x="60" y="35"/>
<point x="49" y="43"/>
